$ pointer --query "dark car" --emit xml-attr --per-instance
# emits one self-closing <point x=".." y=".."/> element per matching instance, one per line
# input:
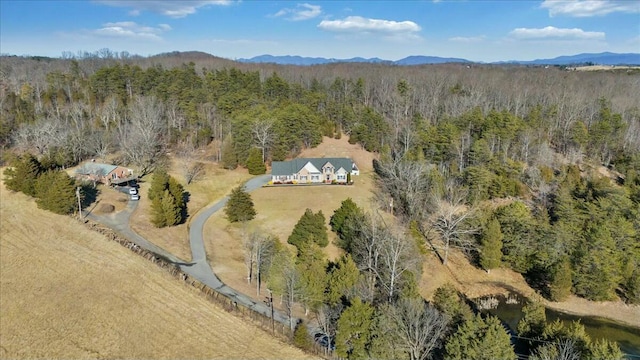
<point x="325" y="341"/>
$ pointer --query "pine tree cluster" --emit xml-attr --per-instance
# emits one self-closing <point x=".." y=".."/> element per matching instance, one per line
<point x="53" y="189"/>
<point x="168" y="205"/>
<point x="309" y="229"/>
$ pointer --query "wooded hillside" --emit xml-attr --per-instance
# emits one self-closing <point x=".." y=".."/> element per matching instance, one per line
<point x="533" y="169"/>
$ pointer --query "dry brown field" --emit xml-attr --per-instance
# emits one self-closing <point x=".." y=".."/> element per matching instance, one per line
<point x="605" y="68"/>
<point x="68" y="293"/>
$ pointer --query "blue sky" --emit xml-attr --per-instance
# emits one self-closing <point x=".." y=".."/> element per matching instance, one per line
<point x="391" y="30"/>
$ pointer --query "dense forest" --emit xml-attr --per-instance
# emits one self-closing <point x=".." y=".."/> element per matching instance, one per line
<point x="535" y="169"/>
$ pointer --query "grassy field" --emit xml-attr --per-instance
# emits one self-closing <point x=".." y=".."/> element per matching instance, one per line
<point x="279" y="209"/>
<point x="213" y="185"/>
<point x="69" y="293"/>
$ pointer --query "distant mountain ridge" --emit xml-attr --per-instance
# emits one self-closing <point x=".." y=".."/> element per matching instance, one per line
<point x="604" y="58"/>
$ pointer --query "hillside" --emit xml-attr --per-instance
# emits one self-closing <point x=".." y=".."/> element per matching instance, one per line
<point x="280" y="208"/>
<point x="68" y="292"/>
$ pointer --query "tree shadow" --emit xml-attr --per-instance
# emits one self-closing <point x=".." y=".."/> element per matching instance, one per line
<point x="186" y="196"/>
<point x="89" y="194"/>
<point x="539" y="280"/>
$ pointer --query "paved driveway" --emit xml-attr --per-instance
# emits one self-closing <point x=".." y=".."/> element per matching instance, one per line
<point x="199" y="267"/>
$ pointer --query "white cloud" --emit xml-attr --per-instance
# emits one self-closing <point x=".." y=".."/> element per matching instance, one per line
<point x="131" y="30"/>
<point x="586" y="8"/>
<point x="551" y="32"/>
<point x="301" y="12"/>
<point x="171" y="8"/>
<point x="468" y="39"/>
<point x="360" y="25"/>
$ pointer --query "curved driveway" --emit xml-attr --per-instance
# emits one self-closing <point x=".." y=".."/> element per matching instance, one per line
<point x="199" y="267"/>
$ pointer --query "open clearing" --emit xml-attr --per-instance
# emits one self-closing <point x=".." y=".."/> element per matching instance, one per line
<point x="214" y="184"/>
<point x="280" y="208"/>
<point x="67" y="292"/>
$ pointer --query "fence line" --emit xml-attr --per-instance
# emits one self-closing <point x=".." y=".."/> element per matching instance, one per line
<point x="280" y="330"/>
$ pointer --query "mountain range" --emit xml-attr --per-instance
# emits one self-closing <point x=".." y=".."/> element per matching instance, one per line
<point x="605" y="58"/>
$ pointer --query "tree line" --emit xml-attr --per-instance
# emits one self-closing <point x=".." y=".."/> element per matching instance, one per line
<point x="367" y="305"/>
<point x="527" y="168"/>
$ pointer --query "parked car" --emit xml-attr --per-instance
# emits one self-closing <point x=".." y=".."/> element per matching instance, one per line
<point x="135" y="197"/>
<point x="323" y="340"/>
<point x="133" y="191"/>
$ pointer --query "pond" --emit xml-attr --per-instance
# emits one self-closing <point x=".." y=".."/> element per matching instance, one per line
<point x="509" y="310"/>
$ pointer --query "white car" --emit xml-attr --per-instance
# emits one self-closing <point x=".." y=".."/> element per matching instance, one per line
<point x="135" y="197"/>
<point x="133" y="191"/>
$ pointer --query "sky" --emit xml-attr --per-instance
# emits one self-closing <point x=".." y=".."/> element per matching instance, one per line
<point x="391" y="30"/>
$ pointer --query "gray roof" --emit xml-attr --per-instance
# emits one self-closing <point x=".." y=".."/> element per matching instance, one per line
<point x="293" y="166"/>
<point x="92" y="168"/>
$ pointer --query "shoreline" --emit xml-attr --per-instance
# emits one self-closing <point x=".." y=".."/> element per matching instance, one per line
<point x="616" y="312"/>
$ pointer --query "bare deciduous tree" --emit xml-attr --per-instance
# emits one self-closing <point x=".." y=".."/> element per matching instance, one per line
<point x="565" y="350"/>
<point x="450" y="221"/>
<point x="398" y="254"/>
<point x="192" y="169"/>
<point x="259" y="252"/>
<point x="41" y="136"/>
<point x="141" y="139"/>
<point x="263" y="132"/>
<point x="418" y="327"/>
<point x="407" y="183"/>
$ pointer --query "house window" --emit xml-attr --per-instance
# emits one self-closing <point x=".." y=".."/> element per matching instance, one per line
<point x="315" y="177"/>
<point x="303" y="177"/>
<point x="341" y="177"/>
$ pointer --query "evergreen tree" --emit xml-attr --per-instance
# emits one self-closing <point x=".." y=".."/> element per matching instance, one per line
<point x="313" y="277"/>
<point x="448" y="301"/>
<point x="518" y="226"/>
<point x="158" y="218"/>
<point x="597" y="270"/>
<point x="632" y="286"/>
<point x="587" y="348"/>
<point x="480" y="339"/>
<point x="23" y="175"/>
<point x="561" y="281"/>
<point x="177" y="191"/>
<point x="343" y="278"/>
<point x="228" y="154"/>
<point x="309" y="229"/>
<point x="170" y="209"/>
<point x="354" y="330"/>
<point x="604" y="349"/>
<point x="240" y="206"/>
<point x="491" y="242"/>
<point x="534" y="320"/>
<point x="255" y="165"/>
<point x="301" y="337"/>
<point x="345" y="221"/>
<point x="159" y="183"/>
<point x="56" y="191"/>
